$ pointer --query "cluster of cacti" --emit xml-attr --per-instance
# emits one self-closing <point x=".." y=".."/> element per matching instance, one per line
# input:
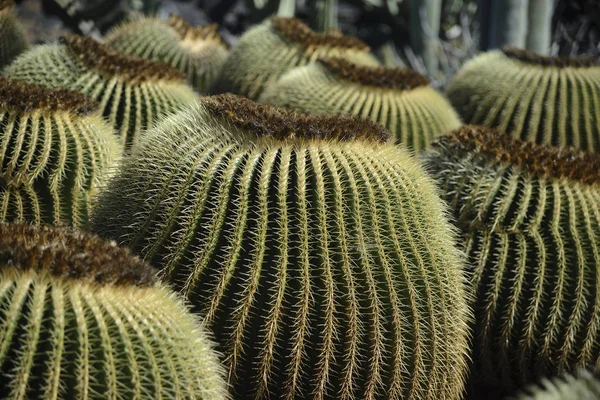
<point x="197" y="52"/>
<point x="584" y="385"/>
<point x="132" y="92"/>
<point x="398" y="98"/>
<point x="546" y="100"/>
<point x="320" y="254"/>
<point x="267" y="51"/>
<point x="13" y="40"/>
<point x="83" y="319"/>
<point x="55" y="152"/>
<point x="530" y="219"/>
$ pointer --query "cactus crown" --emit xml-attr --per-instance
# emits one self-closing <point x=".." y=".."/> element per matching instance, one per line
<point x="530" y="57"/>
<point x="297" y="32"/>
<point x="267" y="121"/>
<point x="386" y="77"/>
<point x="6" y="5"/>
<point x="107" y="61"/>
<point x="206" y="33"/>
<point x="68" y="254"/>
<point x="25" y="97"/>
<point x="552" y="162"/>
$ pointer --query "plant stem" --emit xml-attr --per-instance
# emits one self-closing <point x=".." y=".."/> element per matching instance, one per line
<point x="424" y="30"/>
<point x="540" y="26"/>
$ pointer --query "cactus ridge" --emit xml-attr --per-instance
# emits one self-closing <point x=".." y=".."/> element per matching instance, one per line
<point x="55" y="153"/>
<point x="131" y="103"/>
<point x="584" y="385"/>
<point x="295" y="31"/>
<point x="530" y="220"/>
<point x="542" y="100"/>
<point x="13" y="39"/>
<point x="399" y="99"/>
<point x="558" y="62"/>
<point x="74" y="327"/>
<point x="204" y="33"/>
<point x="313" y="286"/>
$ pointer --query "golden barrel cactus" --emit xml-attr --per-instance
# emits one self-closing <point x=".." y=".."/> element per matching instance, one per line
<point x="13" y="39"/>
<point x="584" y="385"/>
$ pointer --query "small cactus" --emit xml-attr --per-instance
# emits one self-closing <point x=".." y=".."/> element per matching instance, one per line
<point x="267" y="51"/>
<point x="13" y="40"/>
<point x="585" y="385"/>
<point x="132" y="92"/>
<point x="83" y="319"/>
<point x="55" y="151"/>
<point x="546" y="100"/>
<point x="530" y="218"/>
<point x="320" y="256"/>
<point x="197" y="52"/>
<point x="398" y="98"/>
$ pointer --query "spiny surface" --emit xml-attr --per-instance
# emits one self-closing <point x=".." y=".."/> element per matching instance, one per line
<point x="530" y="220"/>
<point x="551" y="101"/>
<point x="295" y="31"/>
<point x="325" y="268"/>
<point x="585" y="385"/>
<point x="13" y="39"/>
<point x="205" y="33"/>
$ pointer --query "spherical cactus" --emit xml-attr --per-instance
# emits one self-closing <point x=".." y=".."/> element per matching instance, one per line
<point x="267" y="51"/>
<point x="132" y="92"/>
<point x="198" y="52"/>
<point x="398" y="98"/>
<point x="55" y="151"/>
<point x="530" y="217"/>
<point x="321" y="257"/>
<point x="544" y="100"/>
<point x="582" y="386"/>
<point x="84" y="319"/>
<point x="13" y="40"/>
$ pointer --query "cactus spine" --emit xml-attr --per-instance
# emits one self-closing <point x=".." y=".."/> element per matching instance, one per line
<point x="132" y="92"/>
<point x="398" y="98"/>
<point x="545" y="100"/>
<point x="530" y="217"/>
<point x="320" y="256"/>
<point x="55" y="151"/>
<point x="13" y="40"/>
<point x="197" y="52"/>
<point x="267" y="51"/>
<point x="582" y="386"/>
<point x="81" y="318"/>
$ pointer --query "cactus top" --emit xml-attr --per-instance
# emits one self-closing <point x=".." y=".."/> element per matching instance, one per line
<point x="105" y="60"/>
<point x="551" y="162"/>
<point x="530" y="57"/>
<point x="26" y="97"/>
<point x="385" y="77"/>
<point x="195" y="38"/>
<point x="6" y="5"/>
<point x="267" y="121"/>
<point x="68" y="254"/>
<point x="295" y="31"/>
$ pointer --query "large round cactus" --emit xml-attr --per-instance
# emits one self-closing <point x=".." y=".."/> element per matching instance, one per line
<point x="83" y="319"/>
<point x="132" y="92"/>
<point x="584" y="385"/>
<point x="198" y="52"/>
<point x="55" y="151"/>
<point x="546" y="100"/>
<point x="267" y="51"/>
<point x="398" y="98"/>
<point x="530" y="217"/>
<point x="320" y="256"/>
<point x="13" y="40"/>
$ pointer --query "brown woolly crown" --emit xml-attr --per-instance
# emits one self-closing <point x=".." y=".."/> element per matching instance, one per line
<point x="267" y="121"/>
<point x="105" y="60"/>
<point x="530" y="57"/>
<point x="395" y="78"/>
<point x="68" y="254"/>
<point x="551" y="162"/>
<point x="206" y="33"/>
<point x="296" y="32"/>
<point x="6" y="5"/>
<point x="25" y="97"/>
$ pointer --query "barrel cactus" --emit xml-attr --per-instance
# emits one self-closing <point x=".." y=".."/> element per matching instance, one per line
<point x="545" y="100"/>
<point x="84" y="319"/>
<point x="197" y="52"/>
<point x="398" y="98"/>
<point x="265" y="52"/>
<point x="530" y="217"/>
<point x="320" y="256"/>
<point x="13" y="40"/>
<point x="55" y="151"/>
<point x="584" y="385"/>
<point x="132" y="92"/>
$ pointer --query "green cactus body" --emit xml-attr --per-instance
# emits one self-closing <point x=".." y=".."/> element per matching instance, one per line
<point x="13" y="40"/>
<point x="530" y="218"/>
<point x="267" y="51"/>
<point x="55" y="151"/>
<point x="398" y="98"/>
<point x="132" y="92"/>
<point x="582" y="386"/>
<point x="545" y="100"/>
<point x="321" y="257"/>
<point x="82" y="319"/>
<point x="197" y="52"/>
